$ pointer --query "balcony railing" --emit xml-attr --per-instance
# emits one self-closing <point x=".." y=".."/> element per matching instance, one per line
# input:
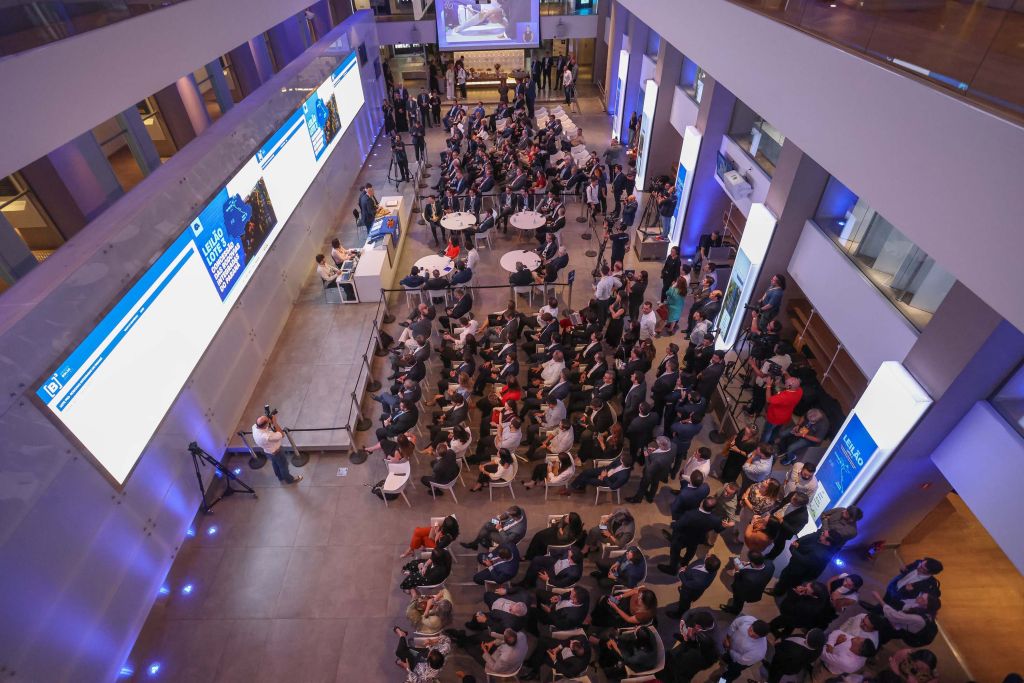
<point x="25" y="25"/>
<point x="973" y="48"/>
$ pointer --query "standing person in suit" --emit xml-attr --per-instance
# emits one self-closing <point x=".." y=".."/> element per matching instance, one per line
<point x="658" y="463"/>
<point x="810" y="554"/>
<point x="695" y="648"/>
<point x="367" y="207"/>
<point x="690" y="531"/>
<point x="750" y="579"/>
<point x="670" y="271"/>
<point x="618" y="188"/>
<point x="635" y="395"/>
<point x="914" y="578"/>
<point x="530" y="91"/>
<point x="640" y="433"/>
<point x="419" y="141"/>
<point x="795" y="655"/>
<point x="694" y="579"/>
<point x="793" y="517"/>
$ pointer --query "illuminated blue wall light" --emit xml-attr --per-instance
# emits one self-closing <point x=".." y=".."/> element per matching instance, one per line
<point x="839" y="562"/>
<point x="125" y="672"/>
<point x="187" y="589"/>
<point x="153" y="668"/>
<point x="164" y="590"/>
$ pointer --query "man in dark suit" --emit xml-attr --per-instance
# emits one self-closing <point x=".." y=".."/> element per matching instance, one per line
<point x="569" y="658"/>
<point x="690" y="531"/>
<point x="462" y="306"/>
<point x="444" y="468"/>
<point x="474" y="203"/>
<point x="639" y="433"/>
<point x="506" y="609"/>
<point x="614" y="475"/>
<point x="809" y="555"/>
<point x="694" y="579"/>
<point x="795" y="655"/>
<point x="562" y="611"/>
<point x="433" y="212"/>
<point x="618" y="188"/>
<point x="595" y="421"/>
<point x="793" y="521"/>
<point x="367" y="207"/>
<point x="499" y="566"/>
<point x="634" y="396"/>
<point x="683" y="433"/>
<point x="558" y="569"/>
<point x="708" y="378"/>
<point x="509" y="527"/>
<point x="914" y="579"/>
<point x="695" y="649"/>
<point x="690" y="495"/>
<point x="749" y="582"/>
<point x="401" y="422"/>
<point x="664" y="385"/>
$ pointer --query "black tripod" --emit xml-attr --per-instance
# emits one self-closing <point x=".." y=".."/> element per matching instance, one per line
<point x="201" y="457"/>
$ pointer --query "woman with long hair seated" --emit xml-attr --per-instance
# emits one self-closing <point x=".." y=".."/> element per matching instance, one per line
<point x="441" y="533"/>
<point x="554" y="473"/>
<point x="568" y="530"/>
<point x="430" y="614"/>
<point x="503" y="470"/>
<point x="429" y="572"/>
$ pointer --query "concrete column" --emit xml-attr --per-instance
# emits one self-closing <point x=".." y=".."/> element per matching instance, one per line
<point x="139" y="142"/>
<point x="322" y="21"/>
<point x="340" y="10"/>
<point x="793" y="197"/>
<point x="618" y="20"/>
<point x="636" y="43"/>
<point x="666" y="141"/>
<point x="244" y="68"/>
<point x="960" y="358"/>
<point x="74" y="183"/>
<point x="601" y="48"/>
<point x="708" y="200"/>
<point x="183" y="110"/>
<point x="219" y="83"/>
<point x="261" y="53"/>
<point x="288" y="39"/>
<point x="15" y="257"/>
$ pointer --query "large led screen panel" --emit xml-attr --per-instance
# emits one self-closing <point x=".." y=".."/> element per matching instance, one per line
<point x="497" y="24"/>
<point x="113" y="390"/>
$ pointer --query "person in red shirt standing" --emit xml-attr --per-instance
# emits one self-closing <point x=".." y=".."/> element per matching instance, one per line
<point x="785" y="395"/>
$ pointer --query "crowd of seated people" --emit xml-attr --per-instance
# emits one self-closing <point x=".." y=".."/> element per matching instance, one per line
<point x="583" y="399"/>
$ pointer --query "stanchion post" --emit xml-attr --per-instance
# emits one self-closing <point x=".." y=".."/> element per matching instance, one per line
<point x="256" y="461"/>
<point x="362" y="423"/>
<point x="372" y="385"/>
<point x="299" y="459"/>
<point x="357" y="455"/>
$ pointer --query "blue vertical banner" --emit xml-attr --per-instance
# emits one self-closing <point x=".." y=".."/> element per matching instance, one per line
<point x="843" y="463"/>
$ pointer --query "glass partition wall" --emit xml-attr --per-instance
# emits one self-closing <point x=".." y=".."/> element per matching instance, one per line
<point x="758" y="138"/>
<point x="904" y="273"/>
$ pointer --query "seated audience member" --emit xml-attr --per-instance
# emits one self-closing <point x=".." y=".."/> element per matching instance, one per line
<point x="413" y="280"/>
<point x="555" y="473"/>
<point x="439" y="533"/>
<point x="560" y="568"/>
<point x="565" y="530"/>
<point x="568" y="657"/>
<point x="499" y="566"/>
<point x="501" y="471"/>
<point x="444" y="470"/>
<point x="507" y="528"/>
<point x="630" y="607"/>
<point x="628" y="570"/>
<point x="421" y="665"/>
<point x="430" y="572"/>
<point x="561" y="610"/>
<point x="430" y="614"/>
<point x="634" y="648"/>
<point x="505" y="609"/>
<point x="616" y="529"/>
<point x="614" y="475"/>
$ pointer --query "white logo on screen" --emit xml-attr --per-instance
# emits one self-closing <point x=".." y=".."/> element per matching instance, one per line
<point x="197" y="227"/>
<point x="51" y="387"/>
<point x="854" y="451"/>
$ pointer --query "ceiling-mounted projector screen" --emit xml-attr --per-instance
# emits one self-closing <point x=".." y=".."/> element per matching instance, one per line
<point x="113" y="390"/>
<point x="498" y="24"/>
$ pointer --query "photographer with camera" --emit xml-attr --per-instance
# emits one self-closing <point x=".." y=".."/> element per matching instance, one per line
<point x="268" y="435"/>
<point x="765" y="372"/>
<point x="399" y="157"/>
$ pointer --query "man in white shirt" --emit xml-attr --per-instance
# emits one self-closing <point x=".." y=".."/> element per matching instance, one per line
<point x="326" y="271"/>
<point x="560" y="440"/>
<point x="604" y="290"/>
<point x="800" y="478"/>
<point x="551" y="370"/>
<point x="699" y="461"/>
<point x="843" y="654"/>
<point x="268" y="435"/>
<point x="593" y="198"/>
<point x="745" y="644"/>
<point x="648" y="321"/>
<point x="758" y="466"/>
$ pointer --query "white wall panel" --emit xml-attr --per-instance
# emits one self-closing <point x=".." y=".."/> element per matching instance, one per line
<point x="983" y="442"/>
<point x="941" y="170"/>
<point x="684" y="111"/>
<point x="871" y="329"/>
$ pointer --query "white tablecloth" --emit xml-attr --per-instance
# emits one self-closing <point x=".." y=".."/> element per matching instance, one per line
<point x="459" y="220"/>
<point x="527" y="258"/>
<point x="526" y="220"/>
<point x="434" y="262"/>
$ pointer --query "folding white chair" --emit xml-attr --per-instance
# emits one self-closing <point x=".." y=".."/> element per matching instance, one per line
<point x="607" y="489"/>
<point x="396" y="481"/>
<point x="504" y="484"/>
<point x="449" y="487"/>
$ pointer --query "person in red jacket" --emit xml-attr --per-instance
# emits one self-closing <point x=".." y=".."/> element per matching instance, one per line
<point x="785" y="394"/>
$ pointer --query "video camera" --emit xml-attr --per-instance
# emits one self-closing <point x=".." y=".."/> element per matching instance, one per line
<point x="773" y="369"/>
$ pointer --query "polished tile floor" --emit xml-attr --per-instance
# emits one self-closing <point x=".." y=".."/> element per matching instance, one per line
<point x="301" y="584"/>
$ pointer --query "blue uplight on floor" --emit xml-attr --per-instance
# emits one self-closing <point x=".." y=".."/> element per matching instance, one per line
<point x="839" y="562"/>
<point x="153" y="668"/>
<point x="125" y="672"/>
<point x="187" y="589"/>
<point x="212" y="531"/>
<point x="237" y="471"/>
<point x="164" y="590"/>
<point x="191" y="531"/>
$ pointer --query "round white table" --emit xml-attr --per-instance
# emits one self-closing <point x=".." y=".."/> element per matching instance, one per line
<point x="530" y="259"/>
<point x="434" y="262"/>
<point x="526" y="220"/>
<point x="458" y="220"/>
